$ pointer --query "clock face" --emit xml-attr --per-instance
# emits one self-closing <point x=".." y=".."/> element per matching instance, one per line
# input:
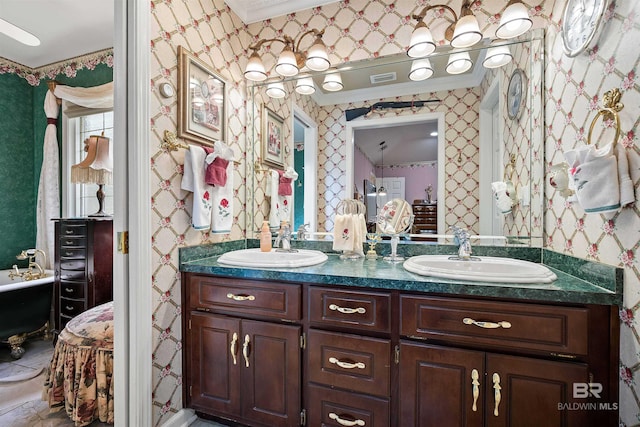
<point x="581" y="24"/>
<point x="515" y="93"/>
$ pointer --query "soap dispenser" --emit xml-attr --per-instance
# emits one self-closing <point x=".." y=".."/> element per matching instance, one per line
<point x="265" y="237"/>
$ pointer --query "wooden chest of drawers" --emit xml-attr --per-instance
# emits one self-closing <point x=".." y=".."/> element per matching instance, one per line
<point x="83" y="266"/>
<point x="425" y="220"/>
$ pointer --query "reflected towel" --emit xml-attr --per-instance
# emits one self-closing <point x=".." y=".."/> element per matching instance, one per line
<point x="595" y="176"/>
<point x="280" y="208"/>
<point x="502" y="199"/>
<point x="193" y="180"/>
<point x="627" y="195"/>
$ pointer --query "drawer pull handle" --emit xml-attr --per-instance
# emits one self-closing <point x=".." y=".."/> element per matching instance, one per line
<point x="241" y="297"/>
<point x="69" y="290"/>
<point x="347" y="310"/>
<point x="343" y="422"/>
<point x="245" y="349"/>
<point x="234" y="348"/>
<point x="476" y="389"/>
<point x="68" y="242"/>
<point x="486" y="325"/>
<point x="346" y="365"/>
<point x="69" y="231"/>
<point x="68" y="307"/>
<point x="496" y="392"/>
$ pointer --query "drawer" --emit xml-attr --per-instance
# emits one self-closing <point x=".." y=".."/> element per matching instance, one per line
<point x="538" y="327"/>
<point x="73" y="264"/>
<point x="73" y="242"/>
<point x="419" y="209"/>
<point x="71" y="307"/>
<point x="268" y="299"/>
<point x="350" y="362"/>
<point x="334" y="408"/>
<point x="367" y="311"/>
<point x="425" y="220"/>
<point x="78" y="275"/>
<point x="71" y="290"/>
<point x="73" y="229"/>
<point x="72" y="253"/>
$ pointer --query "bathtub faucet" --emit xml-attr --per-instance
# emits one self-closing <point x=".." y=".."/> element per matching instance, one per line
<point x="35" y="270"/>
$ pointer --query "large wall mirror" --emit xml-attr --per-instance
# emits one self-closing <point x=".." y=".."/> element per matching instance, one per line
<point x="440" y="142"/>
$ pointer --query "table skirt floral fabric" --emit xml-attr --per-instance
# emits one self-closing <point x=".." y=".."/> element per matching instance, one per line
<point x="80" y="376"/>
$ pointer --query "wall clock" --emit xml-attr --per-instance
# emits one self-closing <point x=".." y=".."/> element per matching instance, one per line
<point x="581" y="24"/>
<point x="515" y="93"/>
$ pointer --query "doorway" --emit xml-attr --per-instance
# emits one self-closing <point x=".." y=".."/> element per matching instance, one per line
<point x="306" y="165"/>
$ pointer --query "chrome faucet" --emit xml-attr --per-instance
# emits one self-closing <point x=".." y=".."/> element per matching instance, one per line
<point x="461" y="238"/>
<point x="302" y="232"/>
<point x="284" y="237"/>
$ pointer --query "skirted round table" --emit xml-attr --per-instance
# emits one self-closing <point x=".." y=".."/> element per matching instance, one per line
<point x="80" y="376"/>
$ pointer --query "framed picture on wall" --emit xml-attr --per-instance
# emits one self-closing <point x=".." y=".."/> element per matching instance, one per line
<point x="201" y="100"/>
<point x="272" y="139"/>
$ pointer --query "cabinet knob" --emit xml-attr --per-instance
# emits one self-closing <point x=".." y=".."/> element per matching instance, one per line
<point x="343" y="422"/>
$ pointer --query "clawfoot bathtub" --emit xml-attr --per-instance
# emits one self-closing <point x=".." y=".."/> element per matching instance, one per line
<point x="25" y="309"/>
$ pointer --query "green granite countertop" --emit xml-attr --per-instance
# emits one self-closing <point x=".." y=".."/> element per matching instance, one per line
<point x="579" y="281"/>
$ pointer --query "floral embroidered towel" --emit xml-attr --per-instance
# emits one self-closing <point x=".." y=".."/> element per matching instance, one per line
<point x="193" y="180"/>
<point x="344" y="233"/>
<point x="222" y="204"/>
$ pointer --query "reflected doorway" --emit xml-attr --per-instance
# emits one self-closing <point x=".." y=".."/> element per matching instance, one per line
<point x="305" y="158"/>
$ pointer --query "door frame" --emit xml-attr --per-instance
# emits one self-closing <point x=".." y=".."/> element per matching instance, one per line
<point x="310" y="166"/>
<point x="395" y="121"/>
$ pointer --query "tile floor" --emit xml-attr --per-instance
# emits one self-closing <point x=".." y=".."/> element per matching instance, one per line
<point x="36" y="413"/>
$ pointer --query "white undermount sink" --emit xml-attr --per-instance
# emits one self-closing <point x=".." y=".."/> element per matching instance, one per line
<point x="480" y="269"/>
<point x="274" y="258"/>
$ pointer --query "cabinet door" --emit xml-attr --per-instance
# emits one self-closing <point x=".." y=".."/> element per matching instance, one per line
<point x="531" y="390"/>
<point x="214" y="371"/>
<point x="440" y="386"/>
<point x="271" y="360"/>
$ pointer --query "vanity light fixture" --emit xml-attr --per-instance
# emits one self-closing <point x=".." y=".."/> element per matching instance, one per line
<point x="291" y="59"/>
<point x="276" y="90"/>
<point x="305" y="86"/>
<point x="515" y="20"/>
<point x="497" y="56"/>
<point x="458" y="63"/>
<point x="421" y="69"/>
<point x="463" y="32"/>
<point x="332" y="82"/>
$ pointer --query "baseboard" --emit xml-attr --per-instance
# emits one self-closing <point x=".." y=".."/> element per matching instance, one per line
<point x="182" y="418"/>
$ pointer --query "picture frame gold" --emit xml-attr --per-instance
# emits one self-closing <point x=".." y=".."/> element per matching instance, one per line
<point x="201" y="100"/>
<point x="273" y="143"/>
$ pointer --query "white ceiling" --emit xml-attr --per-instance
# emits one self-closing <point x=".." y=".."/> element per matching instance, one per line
<point x="66" y="29"/>
<point x="258" y="10"/>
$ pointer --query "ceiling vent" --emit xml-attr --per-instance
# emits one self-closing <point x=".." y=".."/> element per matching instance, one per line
<point x="383" y="78"/>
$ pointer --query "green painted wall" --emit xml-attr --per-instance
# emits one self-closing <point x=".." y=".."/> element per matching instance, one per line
<point x="22" y="127"/>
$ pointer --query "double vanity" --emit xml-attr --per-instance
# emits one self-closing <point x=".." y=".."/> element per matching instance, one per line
<point x="312" y="339"/>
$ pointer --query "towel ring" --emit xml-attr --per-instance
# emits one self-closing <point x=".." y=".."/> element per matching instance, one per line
<point x="612" y="106"/>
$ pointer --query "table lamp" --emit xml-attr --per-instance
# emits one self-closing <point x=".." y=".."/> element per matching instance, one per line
<point x="96" y="168"/>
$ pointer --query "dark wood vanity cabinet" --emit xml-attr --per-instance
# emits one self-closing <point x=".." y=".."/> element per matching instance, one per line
<point x="236" y="366"/>
<point x="379" y="358"/>
<point x="83" y="266"/>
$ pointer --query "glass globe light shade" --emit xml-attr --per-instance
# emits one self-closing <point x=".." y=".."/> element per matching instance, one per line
<point x="255" y="69"/>
<point x="332" y="82"/>
<point x="305" y="86"/>
<point x="497" y="56"/>
<point x="317" y="57"/>
<point x="421" y="69"/>
<point x="467" y="32"/>
<point x="421" y="43"/>
<point x="514" y="21"/>
<point x="459" y="63"/>
<point x="287" y="65"/>
<point x="276" y="90"/>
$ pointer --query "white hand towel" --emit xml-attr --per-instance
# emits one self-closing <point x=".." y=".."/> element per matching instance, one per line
<point x="193" y="180"/>
<point x="503" y="201"/>
<point x="343" y="233"/>
<point x="272" y="193"/>
<point x="595" y="175"/>
<point x="361" y="226"/>
<point x="222" y="202"/>
<point x="627" y="195"/>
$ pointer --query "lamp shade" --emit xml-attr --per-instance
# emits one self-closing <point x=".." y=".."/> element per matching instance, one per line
<point x="467" y="32"/>
<point x="276" y="90"/>
<point x="317" y="56"/>
<point x="497" y="56"/>
<point x="287" y="65"/>
<point x="255" y="70"/>
<point x="514" y="21"/>
<point x="459" y="63"/>
<point x="421" y="43"/>
<point x="97" y="166"/>
<point x="421" y="69"/>
<point x="305" y="86"/>
<point x="332" y="82"/>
